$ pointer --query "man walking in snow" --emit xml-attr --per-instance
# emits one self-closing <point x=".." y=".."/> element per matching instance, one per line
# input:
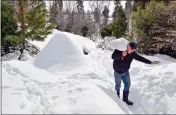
<point x="121" y="66"/>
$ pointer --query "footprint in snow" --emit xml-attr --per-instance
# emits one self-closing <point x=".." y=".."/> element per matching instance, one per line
<point x="55" y="97"/>
<point x="62" y="82"/>
<point x="6" y="87"/>
<point x="37" y="82"/>
<point x="16" y="93"/>
<point x="79" y="89"/>
<point x="22" y="106"/>
<point x="19" y="89"/>
<point x="20" y="73"/>
<point x="72" y="101"/>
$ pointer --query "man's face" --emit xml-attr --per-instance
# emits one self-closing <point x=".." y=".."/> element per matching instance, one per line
<point x="130" y="49"/>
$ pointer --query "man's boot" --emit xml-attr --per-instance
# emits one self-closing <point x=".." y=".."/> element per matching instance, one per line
<point x="125" y="98"/>
<point x="118" y="94"/>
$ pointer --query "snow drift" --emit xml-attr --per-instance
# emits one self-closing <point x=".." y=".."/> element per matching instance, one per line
<point x="61" y="54"/>
<point x="83" y="41"/>
<point x="119" y="44"/>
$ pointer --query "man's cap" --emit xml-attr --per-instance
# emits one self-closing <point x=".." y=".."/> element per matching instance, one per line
<point x="132" y="45"/>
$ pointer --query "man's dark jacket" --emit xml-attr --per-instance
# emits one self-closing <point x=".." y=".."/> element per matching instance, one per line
<point x="122" y="65"/>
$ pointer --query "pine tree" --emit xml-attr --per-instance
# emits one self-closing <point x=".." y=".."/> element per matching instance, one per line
<point x="117" y="4"/>
<point x="9" y="24"/>
<point x="36" y="22"/>
<point x="32" y="18"/>
<point x="141" y="3"/>
<point x="119" y="24"/>
<point x="145" y="22"/>
<point x="105" y="14"/>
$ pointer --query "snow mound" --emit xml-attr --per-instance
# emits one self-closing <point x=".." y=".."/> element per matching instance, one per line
<point x="85" y="42"/>
<point x="61" y="54"/>
<point x="119" y="44"/>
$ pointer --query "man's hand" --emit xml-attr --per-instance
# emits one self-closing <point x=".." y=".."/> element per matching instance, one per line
<point x="124" y="53"/>
<point x="155" y="62"/>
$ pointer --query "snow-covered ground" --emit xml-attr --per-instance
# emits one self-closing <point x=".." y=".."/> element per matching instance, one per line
<point x="86" y="84"/>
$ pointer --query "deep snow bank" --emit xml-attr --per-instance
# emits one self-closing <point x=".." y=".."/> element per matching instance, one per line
<point x="157" y="91"/>
<point x="153" y="87"/>
<point x="62" y="53"/>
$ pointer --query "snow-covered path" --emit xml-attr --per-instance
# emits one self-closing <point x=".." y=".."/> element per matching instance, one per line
<point x="86" y="89"/>
<point x="28" y="93"/>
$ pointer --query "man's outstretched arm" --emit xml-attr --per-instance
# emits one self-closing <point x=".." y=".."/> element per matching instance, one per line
<point x="141" y="59"/>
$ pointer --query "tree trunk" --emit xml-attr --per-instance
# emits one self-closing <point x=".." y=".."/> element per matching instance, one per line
<point x="22" y="12"/>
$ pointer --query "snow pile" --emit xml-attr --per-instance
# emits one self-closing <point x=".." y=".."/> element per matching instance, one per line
<point x="120" y="44"/>
<point x="61" y="54"/>
<point x="85" y="42"/>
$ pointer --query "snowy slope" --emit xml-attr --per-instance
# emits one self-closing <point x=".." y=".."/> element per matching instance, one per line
<point x="82" y="89"/>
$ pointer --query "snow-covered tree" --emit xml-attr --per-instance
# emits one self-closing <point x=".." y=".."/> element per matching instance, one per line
<point x="32" y="19"/>
<point x="97" y="8"/>
<point x="80" y="9"/>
